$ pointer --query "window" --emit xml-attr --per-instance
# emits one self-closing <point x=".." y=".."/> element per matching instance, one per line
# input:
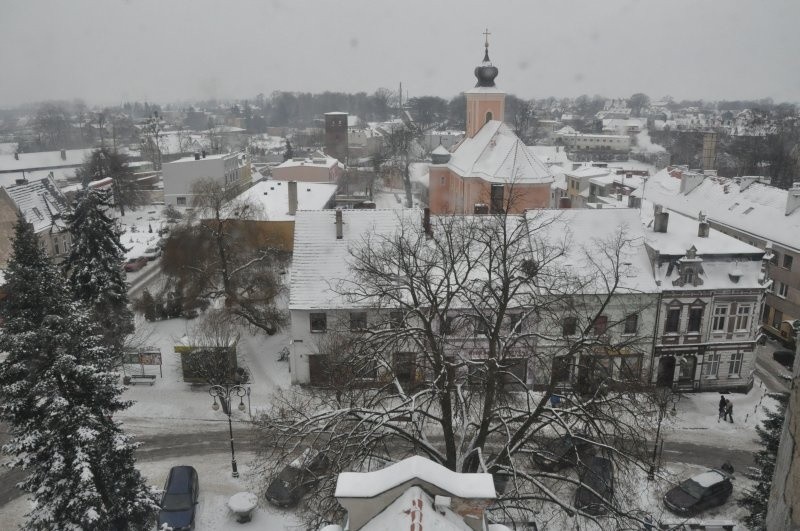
<point x="319" y="322"/>
<point x="673" y="321"/>
<point x="56" y="248"/>
<point x="561" y="368"/>
<point x="711" y="366"/>
<point x="446" y="326"/>
<point x="180" y="201"/>
<point x="777" y="319"/>
<point x="765" y="316"/>
<point x="480" y="328"/>
<point x="743" y="317"/>
<point x="631" y="367"/>
<point x="358" y="321"/>
<point x="396" y="319"/>
<point x="441" y="180"/>
<point x="405" y="367"/>
<point x="515" y="372"/>
<point x="720" y="315"/>
<point x="787" y="261"/>
<point x="600" y="325"/>
<point x="735" y="365"/>
<point x="689" y="276"/>
<point x="782" y="289"/>
<point x="631" y="323"/>
<point x="489" y="116"/>
<point x="515" y="322"/>
<point x="568" y="326"/>
<point x="695" y="319"/>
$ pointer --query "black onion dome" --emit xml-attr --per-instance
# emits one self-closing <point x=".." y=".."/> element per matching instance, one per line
<point x="486" y="71"/>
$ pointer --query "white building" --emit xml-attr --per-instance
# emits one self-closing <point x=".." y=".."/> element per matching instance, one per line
<point x="415" y="494"/>
<point x="180" y="176"/>
<point x="593" y="142"/>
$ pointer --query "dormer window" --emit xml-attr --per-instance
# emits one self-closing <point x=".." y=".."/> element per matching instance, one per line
<point x="688" y="277"/>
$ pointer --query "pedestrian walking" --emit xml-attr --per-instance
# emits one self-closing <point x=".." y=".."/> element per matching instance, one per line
<point x="721" y="407"/>
<point x="728" y="411"/>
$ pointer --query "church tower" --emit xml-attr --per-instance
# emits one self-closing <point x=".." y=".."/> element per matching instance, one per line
<point x="485" y="101"/>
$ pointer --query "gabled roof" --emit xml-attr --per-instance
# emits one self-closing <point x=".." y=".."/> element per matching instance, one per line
<point x="755" y="208"/>
<point x="414" y="509"/>
<point x="370" y="484"/>
<point x="496" y="154"/>
<point x="41" y="202"/>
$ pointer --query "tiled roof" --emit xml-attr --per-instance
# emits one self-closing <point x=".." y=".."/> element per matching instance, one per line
<point x="41" y="202"/>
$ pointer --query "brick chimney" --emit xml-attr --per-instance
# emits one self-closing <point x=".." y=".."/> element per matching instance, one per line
<point x="339" y="224"/>
<point x="426" y="222"/>
<point x="702" y="227"/>
<point x="292" y="197"/>
<point x="16" y="155"/>
<point x="660" y="219"/>
<point x="63" y="154"/>
<point x="793" y="198"/>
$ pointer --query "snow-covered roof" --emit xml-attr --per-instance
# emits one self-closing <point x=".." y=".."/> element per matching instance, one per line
<point x="218" y="156"/>
<point x="43" y="159"/>
<point x="586" y="172"/>
<point x="370" y="484"/>
<point x="41" y="202"/>
<point x="59" y="174"/>
<point x="496" y="154"/>
<point x="272" y="198"/>
<point x="412" y="508"/>
<point x="751" y="207"/>
<point x="440" y="150"/>
<point x="312" y="278"/>
<point x="323" y="162"/>
<point x="590" y="230"/>
<point x="551" y="155"/>
<point x="682" y="234"/>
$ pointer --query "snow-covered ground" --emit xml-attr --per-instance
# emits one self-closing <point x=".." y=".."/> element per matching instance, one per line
<point x="697" y="415"/>
<point x="140" y="228"/>
<point x="216" y="487"/>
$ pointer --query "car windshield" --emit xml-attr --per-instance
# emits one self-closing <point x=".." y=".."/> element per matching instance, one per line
<point x="176" y="502"/>
<point x="693" y="489"/>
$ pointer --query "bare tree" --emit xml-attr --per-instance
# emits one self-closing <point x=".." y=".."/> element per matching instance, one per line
<point x="228" y="255"/>
<point x="458" y="328"/>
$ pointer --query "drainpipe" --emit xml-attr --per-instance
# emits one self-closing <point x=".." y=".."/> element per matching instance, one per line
<point x="655" y="336"/>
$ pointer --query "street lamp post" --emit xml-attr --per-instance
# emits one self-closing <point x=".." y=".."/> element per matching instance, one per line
<point x="225" y="393"/>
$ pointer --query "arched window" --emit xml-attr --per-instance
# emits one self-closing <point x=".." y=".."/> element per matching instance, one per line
<point x="489" y="116"/>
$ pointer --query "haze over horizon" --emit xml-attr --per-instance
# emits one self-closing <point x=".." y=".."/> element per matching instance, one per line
<point x="108" y="52"/>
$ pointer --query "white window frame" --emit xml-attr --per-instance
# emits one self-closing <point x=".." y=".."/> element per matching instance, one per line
<point x="735" y="363"/>
<point x="783" y="289"/>
<point x="743" y="317"/>
<point x="711" y="365"/>
<point x="719" y="318"/>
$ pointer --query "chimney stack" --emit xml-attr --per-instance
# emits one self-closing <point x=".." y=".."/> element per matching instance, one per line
<point x="426" y="222"/>
<point x="196" y="155"/>
<point x="339" y="224"/>
<point x="292" y="198"/>
<point x="660" y="219"/>
<point x="63" y="154"/>
<point x="203" y="153"/>
<point x="16" y="155"/>
<point x="793" y="198"/>
<point x="702" y="228"/>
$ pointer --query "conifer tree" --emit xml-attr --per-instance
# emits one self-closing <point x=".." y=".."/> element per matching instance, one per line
<point x="58" y="392"/>
<point x="93" y="267"/>
<point x="757" y="498"/>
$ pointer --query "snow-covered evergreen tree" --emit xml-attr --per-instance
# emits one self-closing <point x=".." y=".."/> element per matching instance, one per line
<point x="93" y="266"/>
<point x="58" y="392"/>
<point x="757" y="498"/>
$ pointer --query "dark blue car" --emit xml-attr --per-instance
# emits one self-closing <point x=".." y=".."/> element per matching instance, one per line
<point x="179" y="500"/>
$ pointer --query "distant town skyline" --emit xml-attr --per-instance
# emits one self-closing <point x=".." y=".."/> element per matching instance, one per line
<point x="108" y="52"/>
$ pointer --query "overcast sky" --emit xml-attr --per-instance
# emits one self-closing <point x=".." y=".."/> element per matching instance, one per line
<point x="110" y="51"/>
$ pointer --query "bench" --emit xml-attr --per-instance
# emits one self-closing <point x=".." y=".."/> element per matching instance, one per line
<point x="147" y="378"/>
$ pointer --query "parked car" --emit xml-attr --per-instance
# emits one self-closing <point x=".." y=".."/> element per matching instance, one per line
<point x="294" y="481"/>
<point x="562" y="452"/>
<point x="179" y="500"/>
<point x="596" y="491"/>
<point x="784" y="357"/>
<point x="135" y="264"/>
<point x="698" y="493"/>
<point x="151" y="253"/>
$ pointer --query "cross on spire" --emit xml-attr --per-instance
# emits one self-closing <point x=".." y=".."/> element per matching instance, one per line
<point x="486" y="34"/>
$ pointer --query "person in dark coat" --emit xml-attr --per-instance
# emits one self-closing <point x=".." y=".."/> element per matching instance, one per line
<point x="728" y="411"/>
<point x="721" y="407"/>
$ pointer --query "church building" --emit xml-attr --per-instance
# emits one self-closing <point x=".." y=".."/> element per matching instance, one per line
<point x="490" y="170"/>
